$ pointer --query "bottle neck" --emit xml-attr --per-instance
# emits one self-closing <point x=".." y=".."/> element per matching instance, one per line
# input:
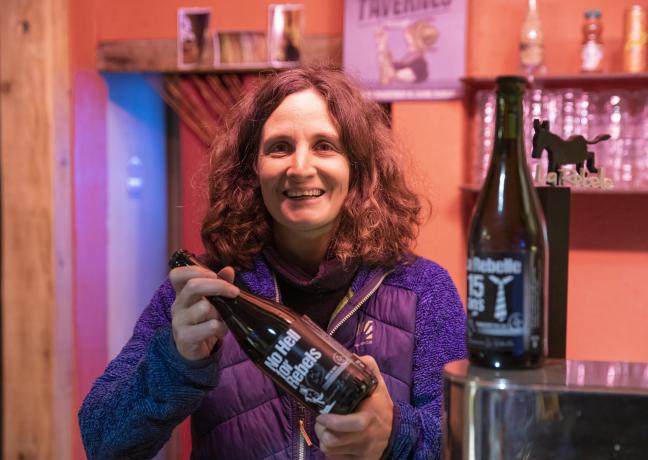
<point x="533" y="6"/>
<point x="509" y="127"/>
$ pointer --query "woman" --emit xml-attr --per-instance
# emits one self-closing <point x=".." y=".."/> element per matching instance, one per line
<point x="309" y="203"/>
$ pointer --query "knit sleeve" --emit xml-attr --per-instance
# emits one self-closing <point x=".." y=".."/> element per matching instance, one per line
<point x="439" y="338"/>
<point x="146" y="391"/>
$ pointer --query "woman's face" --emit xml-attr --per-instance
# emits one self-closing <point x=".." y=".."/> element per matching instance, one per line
<point x="303" y="170"/>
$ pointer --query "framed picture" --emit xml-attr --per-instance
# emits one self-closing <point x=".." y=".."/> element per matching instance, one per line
<point x="193" y="25"/>
<point x="285" y="34"/>
<point x="240" y="48"/>
<point x="406" y="53"/>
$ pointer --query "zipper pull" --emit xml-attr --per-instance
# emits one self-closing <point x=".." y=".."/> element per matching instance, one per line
<point x="304" y="434"/>
<point x="302" y="427"/>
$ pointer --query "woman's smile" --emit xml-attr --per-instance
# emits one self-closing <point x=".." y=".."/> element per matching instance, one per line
<point x="304" y="194"/>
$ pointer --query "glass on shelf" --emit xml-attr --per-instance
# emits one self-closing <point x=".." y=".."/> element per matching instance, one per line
<point x="484" y="133"/>
<point x="641" y="141"/>
<point x="573" y="111"/>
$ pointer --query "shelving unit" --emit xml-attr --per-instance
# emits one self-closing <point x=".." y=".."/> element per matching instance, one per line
<point x="585" y="82"/>
<point x="160" y="56"/>
<point x="474" y="188"/>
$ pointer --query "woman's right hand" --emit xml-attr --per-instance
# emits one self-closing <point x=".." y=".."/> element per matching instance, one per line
<point x="196" y="324"/>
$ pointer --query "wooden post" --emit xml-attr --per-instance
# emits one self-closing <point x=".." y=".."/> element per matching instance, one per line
<point x="37" y="329"/>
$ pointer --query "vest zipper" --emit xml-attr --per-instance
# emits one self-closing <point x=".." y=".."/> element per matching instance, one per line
<point x="303" y="435"/>
<point x="276" y="286"/>
<point x="361" y="303"/>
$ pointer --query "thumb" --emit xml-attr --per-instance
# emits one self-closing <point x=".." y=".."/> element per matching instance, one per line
<point x="227" y="274"/>
<point x="371" y="363"/>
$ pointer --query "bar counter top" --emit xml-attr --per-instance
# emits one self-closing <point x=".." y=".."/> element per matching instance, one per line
<point x="564" y="409"/>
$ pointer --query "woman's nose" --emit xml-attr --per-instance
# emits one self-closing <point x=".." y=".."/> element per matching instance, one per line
<point x="301" y="162"/>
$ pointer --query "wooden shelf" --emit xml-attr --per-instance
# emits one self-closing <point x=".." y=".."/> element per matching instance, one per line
<point x="474" y="188"/>
<point x="589" y="81"/>
<point x="160" y="56"/>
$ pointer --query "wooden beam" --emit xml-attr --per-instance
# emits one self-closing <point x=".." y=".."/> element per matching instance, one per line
<point x="37" y="412"/>
<point x="160" y="55"/>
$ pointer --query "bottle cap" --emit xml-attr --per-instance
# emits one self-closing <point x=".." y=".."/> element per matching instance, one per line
<point x="592" y="14"/>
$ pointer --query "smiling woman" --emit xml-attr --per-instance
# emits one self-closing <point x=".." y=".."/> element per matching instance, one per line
<point x="380" y="215"/>
<point x="304" y="177"/>
<point x="309" y="205"/>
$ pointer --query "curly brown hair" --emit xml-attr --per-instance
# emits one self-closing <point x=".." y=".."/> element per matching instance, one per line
<point x="381" y="215"/>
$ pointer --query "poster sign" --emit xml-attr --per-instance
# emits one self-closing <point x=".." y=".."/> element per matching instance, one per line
<point x="406" y="49"/>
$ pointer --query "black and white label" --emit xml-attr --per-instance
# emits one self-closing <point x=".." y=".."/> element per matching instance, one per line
<point x="504" y="302"/>
<point x="306" y="370"/>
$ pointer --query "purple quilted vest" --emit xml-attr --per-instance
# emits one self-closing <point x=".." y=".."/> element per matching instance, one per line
<point x="247" y="417"/>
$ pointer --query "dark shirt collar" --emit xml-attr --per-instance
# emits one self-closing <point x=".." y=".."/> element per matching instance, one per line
<point x="330" y="276"/>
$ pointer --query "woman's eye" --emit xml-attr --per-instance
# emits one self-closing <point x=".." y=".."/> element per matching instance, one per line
<point x="279" y="147"/>
<point x="325" y="145"/>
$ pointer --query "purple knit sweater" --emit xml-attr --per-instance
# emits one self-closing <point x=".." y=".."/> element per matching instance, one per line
<point x="149" y="388"/>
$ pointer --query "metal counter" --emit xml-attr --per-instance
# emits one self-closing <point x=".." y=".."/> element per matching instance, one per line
<point x="563" y="410"/>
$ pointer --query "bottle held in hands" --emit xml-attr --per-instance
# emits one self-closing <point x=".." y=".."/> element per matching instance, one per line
<point x="292" y="350"/>
<point x="507" y="250"/>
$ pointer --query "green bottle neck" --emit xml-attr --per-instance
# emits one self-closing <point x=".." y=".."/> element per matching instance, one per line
<point x="509" y="126"/>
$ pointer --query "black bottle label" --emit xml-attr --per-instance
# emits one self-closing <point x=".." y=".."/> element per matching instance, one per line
<point x="308" y="370"/>
<point x="504" y="300"/>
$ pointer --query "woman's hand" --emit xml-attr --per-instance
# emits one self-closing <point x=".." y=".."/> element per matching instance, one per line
<point x="196" y="324"/>
<point x="363" y="434"/>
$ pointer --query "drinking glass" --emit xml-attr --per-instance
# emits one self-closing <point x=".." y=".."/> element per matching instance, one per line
<point x="485" y="103"/>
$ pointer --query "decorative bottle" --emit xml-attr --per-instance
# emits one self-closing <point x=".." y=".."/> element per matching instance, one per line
<point x="532" y="42"/>
<point x="592" y="48"/>
<point x="635" y="39"/>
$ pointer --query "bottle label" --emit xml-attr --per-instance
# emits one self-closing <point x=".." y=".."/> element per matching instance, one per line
<point x="591" y="57"/>
<point x="504" y="302"/>
<point x="307" y="370"/>
<point x="634" y="55"/>
<point x="531" y="54"/>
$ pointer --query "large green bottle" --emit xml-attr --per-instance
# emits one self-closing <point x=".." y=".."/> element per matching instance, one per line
<point x="507" y="250"/>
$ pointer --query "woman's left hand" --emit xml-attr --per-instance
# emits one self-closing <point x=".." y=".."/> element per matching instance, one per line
<point x="363" y="434"/>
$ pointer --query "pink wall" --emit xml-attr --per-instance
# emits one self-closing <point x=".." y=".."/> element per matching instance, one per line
<point x="435" y="134"/>
<point x="89" y="105"/>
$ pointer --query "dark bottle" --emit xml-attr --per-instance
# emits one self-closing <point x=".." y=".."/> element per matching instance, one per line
<point x="292" y="350"/>
<point x="507" y="250"/>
